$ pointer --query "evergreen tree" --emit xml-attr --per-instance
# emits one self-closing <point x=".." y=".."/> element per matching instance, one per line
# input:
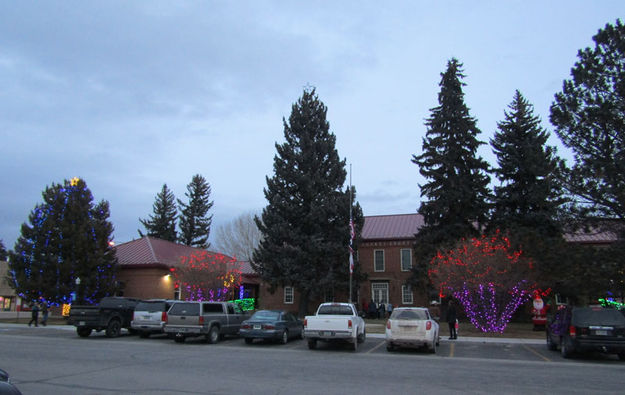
<point x="589" y="117"/>
<point x="162" y="224"/>
<point x="3" y="251"/>
<point x="456" y="190"/>
<point x="529" y="196"/>
<point x="67" y="238"/>
<point x="305" y="226"/>
<point x="194" y="221"/>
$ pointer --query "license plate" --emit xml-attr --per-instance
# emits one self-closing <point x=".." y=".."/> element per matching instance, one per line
<point x="326" y="333"/>
<point x="256" y="326"/>
<point x="81" y="323"/>
<point x="601" y="333"/>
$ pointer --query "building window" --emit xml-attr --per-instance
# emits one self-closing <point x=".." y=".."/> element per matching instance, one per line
<point x="378" y="260"/>
<point x="288" y="295"/>
<point x="406" y="294"/>
<point x="406" y="260"/>
<point x="379" y="292"/>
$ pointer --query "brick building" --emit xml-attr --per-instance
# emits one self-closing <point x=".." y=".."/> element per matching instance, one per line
<point x="145" y="265"/>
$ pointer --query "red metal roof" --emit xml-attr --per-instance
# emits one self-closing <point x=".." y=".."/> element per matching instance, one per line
<point x="400" y="226"/>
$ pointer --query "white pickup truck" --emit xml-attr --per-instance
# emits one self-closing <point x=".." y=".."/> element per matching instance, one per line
<point x="335" y="322"/>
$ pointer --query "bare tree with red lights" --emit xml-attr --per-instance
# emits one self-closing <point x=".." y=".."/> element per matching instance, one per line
<point x="206" y="275"/>
<point x="488" y="279"/>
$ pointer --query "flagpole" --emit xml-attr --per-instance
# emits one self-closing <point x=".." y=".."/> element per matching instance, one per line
<point x="351" y="235"/>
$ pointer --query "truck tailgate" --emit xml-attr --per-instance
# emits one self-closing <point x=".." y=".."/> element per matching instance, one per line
<point x="328" y="323"/>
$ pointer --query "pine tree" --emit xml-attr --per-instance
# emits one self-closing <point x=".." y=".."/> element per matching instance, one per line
<point x="194" y="221"/>
<point x="162" y="224"/>
<point x="67" y="238"/>
<point x="589" y="118"/>
<point x="530" y="195"/>
<point x="3" y="251"/>
<point x="457" y="178"/>
<point x="305" y="226"/>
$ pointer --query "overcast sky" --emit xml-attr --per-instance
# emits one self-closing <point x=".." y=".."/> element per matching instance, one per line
<point x="132" y="95"/>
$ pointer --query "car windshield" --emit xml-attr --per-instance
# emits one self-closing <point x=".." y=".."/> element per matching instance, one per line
<point x="266" y="316"/>
<point x="335" y="310"/>
<point x="409" y="315"/>
<point x="597" y="316"/>
<point x="151" y="307"/>
<point x="185" y="309"/>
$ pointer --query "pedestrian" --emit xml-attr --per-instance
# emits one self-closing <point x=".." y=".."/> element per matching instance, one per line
<point x="389" y="309"/>
<point x="34" y="317"/>
<point x="382" y="310"/>
<point x="373" y="311"/>
<point x="451" y="320"/>
<point x="365" y="308"/>
<point x="44" y="313"/>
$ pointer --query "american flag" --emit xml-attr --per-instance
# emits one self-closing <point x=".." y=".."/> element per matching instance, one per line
<point x="351" y="249"/>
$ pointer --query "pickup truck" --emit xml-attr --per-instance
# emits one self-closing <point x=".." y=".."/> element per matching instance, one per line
<point x="112" y="314"/>
<point x="213" y="320"/>
<point x="335" y="322"/>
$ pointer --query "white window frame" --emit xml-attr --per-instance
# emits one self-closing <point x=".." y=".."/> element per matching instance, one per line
<point x="401" y="259"/>
<point x="375" y="268"/>
<point x="406" y="294"/>
<point x="381" y="287"/>
<point x="289" y="295"/>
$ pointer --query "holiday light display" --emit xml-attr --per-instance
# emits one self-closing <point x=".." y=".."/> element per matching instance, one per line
<point x="489" y="281"/>
<point x="206" y="275"/>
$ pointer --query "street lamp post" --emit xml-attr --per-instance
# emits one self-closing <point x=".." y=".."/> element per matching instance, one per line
<point x="77" y="290"/>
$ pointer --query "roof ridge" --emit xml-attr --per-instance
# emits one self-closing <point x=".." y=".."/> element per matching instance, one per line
<point x="151" y="249"/>
<point x="390" y="215"/>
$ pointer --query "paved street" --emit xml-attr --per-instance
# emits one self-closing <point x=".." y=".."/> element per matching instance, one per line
<point x="54" y="360"/>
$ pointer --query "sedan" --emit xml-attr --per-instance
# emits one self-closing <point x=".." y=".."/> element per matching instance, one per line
<point x="411" y="327"/>
<point x="272" y="325"/>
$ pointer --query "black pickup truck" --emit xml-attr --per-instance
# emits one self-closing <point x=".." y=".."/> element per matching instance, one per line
<point x="111" y="315"/>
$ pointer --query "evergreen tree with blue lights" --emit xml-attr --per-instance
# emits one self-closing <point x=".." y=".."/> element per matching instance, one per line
<point x="67" y="237"/>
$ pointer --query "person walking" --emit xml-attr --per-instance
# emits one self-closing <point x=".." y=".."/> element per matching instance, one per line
<point x="451" y="320"/>
<point x="44" y="313"/>
<point x="389" y="309"/>
<point x="34" y="317"/>
<point x="373" y="310"/>
<point x="382" y="310"/>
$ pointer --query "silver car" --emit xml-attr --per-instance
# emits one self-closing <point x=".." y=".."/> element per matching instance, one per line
<point x="150" y="316"/>
<point x="412" y="327"/>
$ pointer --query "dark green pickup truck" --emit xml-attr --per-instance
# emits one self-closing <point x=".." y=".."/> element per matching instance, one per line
<point x="111" y="315"/>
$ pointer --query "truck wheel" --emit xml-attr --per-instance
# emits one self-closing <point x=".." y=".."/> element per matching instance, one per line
<point x="362" y="336"/>
<point x="213" y="335"/>
<point x="312" y="344"/>
<point x="113" y="329"/>
<point x="83" y="332"/>
<point x="284" y="339"/>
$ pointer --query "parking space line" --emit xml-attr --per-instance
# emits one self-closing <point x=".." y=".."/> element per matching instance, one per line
<point x="452" y="347"/>
<point x="376" y="347"/>
<point x="536" y="353"/>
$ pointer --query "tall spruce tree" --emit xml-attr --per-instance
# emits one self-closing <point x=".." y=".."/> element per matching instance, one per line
<point x="305" y="226"/>
<point x="530" y="193"/>
<point x="456" y="189"/>
<point x="67" y="238"/>
<point x="162" y="224"/>
<point x="589" y="118"/>
<point x="194" y="220"/>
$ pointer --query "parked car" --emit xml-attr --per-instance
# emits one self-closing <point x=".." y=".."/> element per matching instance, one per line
<point x="6" y="386"/>
<point x="112" y="314"/>
<point x="272" y="325"/>
<point x="335" y="322"/>
<point x="581" y="329"/>
<point x="150" y="316"/>
<point x="412" y="327"/>
<point x="210" y="319"/>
